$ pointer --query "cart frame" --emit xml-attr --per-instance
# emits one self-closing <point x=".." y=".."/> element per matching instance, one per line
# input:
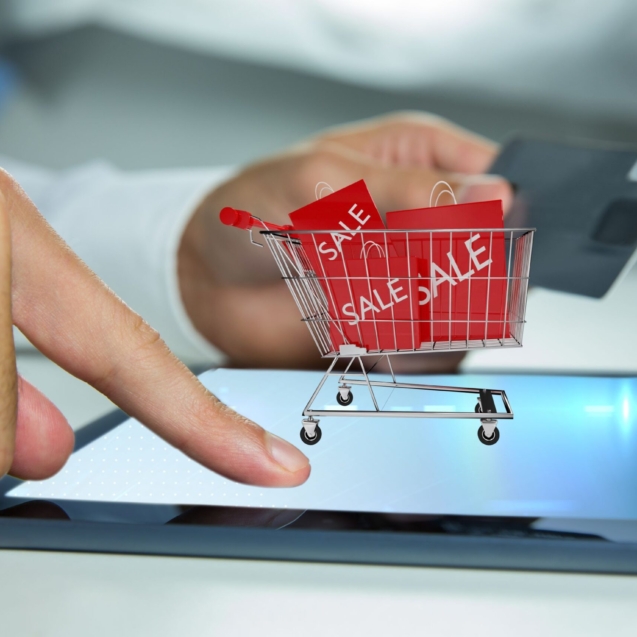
<point x="310" y="296"/>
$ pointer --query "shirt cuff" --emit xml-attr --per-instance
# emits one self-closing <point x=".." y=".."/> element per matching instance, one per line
<point x="127" y="228"/>
<point x="187" y="342"/>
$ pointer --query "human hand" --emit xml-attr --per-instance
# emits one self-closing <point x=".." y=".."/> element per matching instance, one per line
<point x="75" y="320"/>
<point x="233" y="291"/>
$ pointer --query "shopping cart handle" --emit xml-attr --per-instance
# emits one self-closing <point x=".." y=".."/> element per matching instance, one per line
<point x="244" y="220"/>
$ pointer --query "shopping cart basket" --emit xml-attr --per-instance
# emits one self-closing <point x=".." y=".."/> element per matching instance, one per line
<point x="313" y="293"/>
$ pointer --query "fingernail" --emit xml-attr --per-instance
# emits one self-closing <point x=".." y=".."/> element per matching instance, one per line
<point x="485" y="188"/>
<point x="285" y="454"/>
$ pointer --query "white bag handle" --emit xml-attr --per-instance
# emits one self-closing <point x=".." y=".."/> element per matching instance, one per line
<point x="373" y="244"/>
<point x="321" y="187"/>
<point x="447" y="189"/>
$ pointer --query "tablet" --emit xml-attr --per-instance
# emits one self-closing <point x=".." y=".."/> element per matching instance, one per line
<point x="558" y="492"/>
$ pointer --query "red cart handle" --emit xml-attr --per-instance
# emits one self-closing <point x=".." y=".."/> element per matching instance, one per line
<point x="246" y="221"/>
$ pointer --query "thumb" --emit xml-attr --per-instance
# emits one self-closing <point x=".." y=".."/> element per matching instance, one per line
<point x="43" y="439"/>
<point x="485" y="188"/>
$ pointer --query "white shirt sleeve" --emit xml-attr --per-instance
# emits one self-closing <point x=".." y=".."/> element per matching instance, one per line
<point x="127" y="228"/>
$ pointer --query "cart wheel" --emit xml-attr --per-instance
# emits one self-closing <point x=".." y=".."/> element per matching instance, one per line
<point x="488" y="441"/>
<point x="344" y="401"/>
<point x="478" y="408"/>
<point x="311" y="441"/>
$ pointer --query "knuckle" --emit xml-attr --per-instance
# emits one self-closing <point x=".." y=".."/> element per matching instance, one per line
<point x="416" y="195"/>
<point x="427" y="120"/>
<point x="406" y="119"/>
<point x="316" y="165"/>
<point x="142" y="342"/>
<point x="144" y="338"/>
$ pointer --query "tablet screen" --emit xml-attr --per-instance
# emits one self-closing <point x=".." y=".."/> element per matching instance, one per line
<point x="570" y="452"/>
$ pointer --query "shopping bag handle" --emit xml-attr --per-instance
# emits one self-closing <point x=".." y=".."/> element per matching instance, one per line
<point x="320" y="188"/>
<point x="446" y="190"/>
<point x="373" y="244"/>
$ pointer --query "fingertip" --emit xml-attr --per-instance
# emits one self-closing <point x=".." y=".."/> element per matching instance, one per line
<point x="269" y="461"/>
<point x="506" y="195"/>
<point x="487" y="188"/>
<point x="300" y="477"/>
<point x="458" y="150"/>
<point x="478" y="155"/>
<point x="285" y="454"/>
<point x="294" y="463"/>
<point x="285" y="479"/>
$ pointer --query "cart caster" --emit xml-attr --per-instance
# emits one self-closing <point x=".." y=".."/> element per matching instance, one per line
<point x="488" y="426"/>
<point x="478" y="408"/>
<point x="310" y="432"/>
<point x="344" y="396"/>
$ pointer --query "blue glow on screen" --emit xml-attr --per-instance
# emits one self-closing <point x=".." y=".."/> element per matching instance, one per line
<point x="571" y="451"/>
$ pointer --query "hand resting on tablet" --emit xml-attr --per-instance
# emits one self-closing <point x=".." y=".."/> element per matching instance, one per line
<point x="75" y="320"/>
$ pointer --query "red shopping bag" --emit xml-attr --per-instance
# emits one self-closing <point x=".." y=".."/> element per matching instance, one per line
<point x="375" y="304"/>
<point x="344" y="213"/>
<point x="465" y="275"/>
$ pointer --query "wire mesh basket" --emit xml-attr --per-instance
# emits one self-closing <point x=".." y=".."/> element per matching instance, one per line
<point x="341" y="301"/>
<point x="448" y="330"/>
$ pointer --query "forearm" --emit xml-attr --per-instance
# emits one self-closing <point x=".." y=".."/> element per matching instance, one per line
<point x="127" y="227"/>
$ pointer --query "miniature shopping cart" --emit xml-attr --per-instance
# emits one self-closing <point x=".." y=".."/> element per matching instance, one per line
<point x="335" y="335"/>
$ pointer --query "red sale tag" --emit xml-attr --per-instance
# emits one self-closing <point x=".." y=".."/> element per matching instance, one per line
<point x="350" y="208"/>
<point x="376" y="304"/>
<point x="466" y="282"/>
<point x="344" y="213"/>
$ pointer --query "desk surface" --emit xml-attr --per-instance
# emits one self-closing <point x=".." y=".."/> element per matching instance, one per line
<point x="57" y="594"/>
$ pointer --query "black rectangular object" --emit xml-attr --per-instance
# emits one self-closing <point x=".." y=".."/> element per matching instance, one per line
<point x="583" y="201"/>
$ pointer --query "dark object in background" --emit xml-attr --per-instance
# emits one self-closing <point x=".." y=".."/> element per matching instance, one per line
<point x="583" y="201"/>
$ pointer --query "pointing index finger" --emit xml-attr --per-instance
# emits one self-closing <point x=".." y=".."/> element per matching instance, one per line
<point x="75" y="320"/>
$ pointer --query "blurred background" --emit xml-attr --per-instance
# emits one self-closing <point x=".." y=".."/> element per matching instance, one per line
<point x="198" y="82"/>
<point x="174" y="83"/>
